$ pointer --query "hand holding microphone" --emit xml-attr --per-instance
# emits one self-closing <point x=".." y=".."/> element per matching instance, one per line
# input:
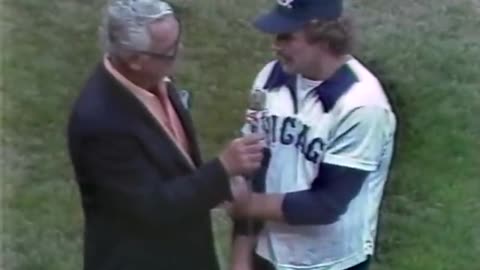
<point x="242" y="187"/>
<point x="243" y="156"/>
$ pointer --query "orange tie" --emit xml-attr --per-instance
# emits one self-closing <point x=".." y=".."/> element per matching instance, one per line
<point x="171" y="119"/>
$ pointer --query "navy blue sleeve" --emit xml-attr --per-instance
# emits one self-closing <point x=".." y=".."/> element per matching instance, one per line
<point x="328" y="198"/>
<point x="245" y="226"/>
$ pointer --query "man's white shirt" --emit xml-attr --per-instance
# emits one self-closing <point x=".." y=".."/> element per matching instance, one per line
<point x="349" y="124"/>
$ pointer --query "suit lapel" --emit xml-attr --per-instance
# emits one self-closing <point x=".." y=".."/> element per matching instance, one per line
<point x="160" y="150"/>
<point x="186" y="122"/>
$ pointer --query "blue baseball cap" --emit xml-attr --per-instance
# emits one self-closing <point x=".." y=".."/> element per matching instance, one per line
<point x="291" y="15"/>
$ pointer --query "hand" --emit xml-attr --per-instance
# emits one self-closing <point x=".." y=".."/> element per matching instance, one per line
<point x="241" y="252"/>
<point x="258" y="207"/>
<point x="238" y="209"/>
<point x="241" y="198"/>
<point x="252" y="117"/>
<point x="243" y="156"/>
<point x="240" y="190"/>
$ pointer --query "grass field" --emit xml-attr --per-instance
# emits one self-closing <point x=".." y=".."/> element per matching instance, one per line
<point x="426" y="52"/>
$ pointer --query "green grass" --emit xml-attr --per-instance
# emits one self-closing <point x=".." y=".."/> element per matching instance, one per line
<point x="426" y="52"/>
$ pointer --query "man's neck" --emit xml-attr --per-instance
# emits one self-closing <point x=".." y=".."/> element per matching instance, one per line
<point x="132" y="76"/>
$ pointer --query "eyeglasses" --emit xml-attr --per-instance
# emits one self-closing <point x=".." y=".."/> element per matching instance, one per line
<point x="163" y="56"/>
<point x="173" y="51"/>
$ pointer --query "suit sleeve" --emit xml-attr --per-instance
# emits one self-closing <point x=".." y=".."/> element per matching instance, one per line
<point x="125" y="181"/>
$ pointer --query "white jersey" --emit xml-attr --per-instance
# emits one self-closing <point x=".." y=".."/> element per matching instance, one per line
<point x="345" y="121"/>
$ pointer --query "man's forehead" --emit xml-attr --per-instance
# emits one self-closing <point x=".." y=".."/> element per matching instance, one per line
<point x="165" y="32"/>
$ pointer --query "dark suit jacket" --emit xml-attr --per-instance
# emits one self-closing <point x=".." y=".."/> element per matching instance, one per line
<point x="145" y="206"/>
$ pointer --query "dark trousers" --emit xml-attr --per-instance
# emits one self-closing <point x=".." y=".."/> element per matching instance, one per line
<point x="260" y="263"/>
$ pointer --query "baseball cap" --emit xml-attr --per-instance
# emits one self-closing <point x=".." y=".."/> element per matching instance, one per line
<point x="291" y="15"/>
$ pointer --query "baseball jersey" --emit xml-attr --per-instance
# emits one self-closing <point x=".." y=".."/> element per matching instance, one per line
<point x="344" y="121"/>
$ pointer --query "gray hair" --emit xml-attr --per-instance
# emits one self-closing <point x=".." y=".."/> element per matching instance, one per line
<point x="125" y="24"/>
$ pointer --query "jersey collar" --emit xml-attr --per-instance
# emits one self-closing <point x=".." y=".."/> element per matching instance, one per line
<point x="328" y="92"/>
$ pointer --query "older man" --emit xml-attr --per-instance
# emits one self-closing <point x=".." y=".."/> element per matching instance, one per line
<point x="145" y="192"/>
<point x="330" y="130"/>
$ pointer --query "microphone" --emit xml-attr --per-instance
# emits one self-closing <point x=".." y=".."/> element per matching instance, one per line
<point x="256" y="110"/>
